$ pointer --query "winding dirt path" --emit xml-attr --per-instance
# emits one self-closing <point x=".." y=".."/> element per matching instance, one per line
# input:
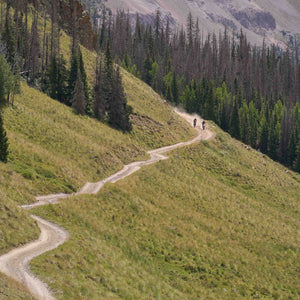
<point x="16" y="263"/>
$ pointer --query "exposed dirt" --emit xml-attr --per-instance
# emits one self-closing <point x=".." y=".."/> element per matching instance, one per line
<point x="16" y="263"/>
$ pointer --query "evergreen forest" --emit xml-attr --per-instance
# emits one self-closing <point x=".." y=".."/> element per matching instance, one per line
<point x="252" y="92"/>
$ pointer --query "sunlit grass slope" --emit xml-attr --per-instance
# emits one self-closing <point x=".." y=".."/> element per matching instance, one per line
<point x="215" y="221"/>
<point x="10" y="290"/>
<point x="54" y="150"/>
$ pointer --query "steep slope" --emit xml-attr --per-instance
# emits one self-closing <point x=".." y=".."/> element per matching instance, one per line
<point x="54" y="150"/>
<point x="276" y="20"/>
<point x="216" y="220"/>
<point x="16" y="263"/>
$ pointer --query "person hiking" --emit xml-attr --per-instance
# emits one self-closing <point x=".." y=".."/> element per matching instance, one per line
<point x="203" y="125"/>
<point x="195" y="122"/>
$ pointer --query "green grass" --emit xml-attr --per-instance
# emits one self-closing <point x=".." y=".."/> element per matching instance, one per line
<point x="215" y="221"/>
<point x="10" y="290"/>
<point x="54" y="150"/>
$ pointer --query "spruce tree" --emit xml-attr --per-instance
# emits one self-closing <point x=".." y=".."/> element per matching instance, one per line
<point x="235" y="122"/>
<point x="3" y="141"/>
<point x="296" y="164"/>
<point x="52" y="78"/>
<point x="174" y="89"/>
<point x="99" y="97"/>
<point x="9" y="39"/>
<point x="147" y="66"/>
<point x="79" y="99"/>
<point x="263" y="135"/>
<point x="56" y="80"/>
<point x="107" y="86"/>
<point x="118" y="111"/>
<point x="84" y="81"/>
<point x="72" y="77"/>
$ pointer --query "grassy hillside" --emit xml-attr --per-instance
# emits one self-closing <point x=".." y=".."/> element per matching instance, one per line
<point x="215" y="221"/>
<point x="54" y="150"/>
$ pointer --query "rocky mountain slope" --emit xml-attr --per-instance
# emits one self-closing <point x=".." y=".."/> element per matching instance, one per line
<point x="278" y="21"/>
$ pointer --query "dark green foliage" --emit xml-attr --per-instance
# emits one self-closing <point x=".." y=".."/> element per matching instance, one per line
<point x="225" y="80"/>
<point x="3" y="141"/>
<point x="85" y="84"/>
<point x="235" y="121"/>
<point x="34" y="62"/>
<point x="99" y="95"/>
<point x="72" y="76"/>
<point x="189" y="100"/>
<point x="118" y="111"/>
<point x="9" y="39"/>
<point x="110" y="102"/>
<point x="147" y="66"/>
<point x="56" y="80"/>
<point x="79" y="98"/>
<point x="296" y="163"/>
<point x="9" y="83"/>
<point x="174" y="89"/>
<point x="263" y="135"/>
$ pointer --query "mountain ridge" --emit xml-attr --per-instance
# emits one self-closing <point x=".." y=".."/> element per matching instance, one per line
<point x="276" y="21"/>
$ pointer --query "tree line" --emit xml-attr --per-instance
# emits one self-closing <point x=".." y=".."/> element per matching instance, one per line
<point x="30" y="49"/>
<point x="251" y="92"/>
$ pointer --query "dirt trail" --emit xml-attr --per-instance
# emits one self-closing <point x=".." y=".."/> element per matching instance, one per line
<point x="16" y="263"/>
<point x="155" y="156"/>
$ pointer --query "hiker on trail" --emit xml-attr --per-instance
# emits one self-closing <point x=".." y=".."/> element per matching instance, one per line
<point x="203" y="125"/>
<point x="195" y="122"/>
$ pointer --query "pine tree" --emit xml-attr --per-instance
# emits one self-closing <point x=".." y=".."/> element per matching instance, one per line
<point x="72" y="77"/>
<point x="108" y="77"/>
<point x="174" y="89"/>
<point x="99" y="97"/>
<point x="84" y="81"/>
<point x="234" y="121"/>
<point x="296" y="164"/>
<point x="34" y="51"/>
<point x="52" y="78"/>
<point x="79" y="99"/>
<point x="56" y="80"/>
<point x="3" y="141"/>
<point x="147" y="66"/>
<point x="9" y="39"/>
<point x="263" y="135"/>
<point x="118" y="111"/>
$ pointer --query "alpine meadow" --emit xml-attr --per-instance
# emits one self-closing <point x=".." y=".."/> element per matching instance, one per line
<point x="142" y="158"/>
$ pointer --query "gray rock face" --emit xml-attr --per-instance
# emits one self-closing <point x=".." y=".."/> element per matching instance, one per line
<point x="254" y="19"/>
<point x="257" y="18"/>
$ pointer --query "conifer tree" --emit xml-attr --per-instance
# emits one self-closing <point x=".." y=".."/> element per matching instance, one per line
<point x="234" y="121"/>
<point x="34" y="51"/>
<point x="79" y="99"/>
<point x="99" y="97"/>
<point x="174" y="89"/>
<point x="9" y="39"/>
<point x="107" y="86"/>
<point x="3" y="141"/>
<point x="296" y="164"/>
<point x="56" y="80"/>
<point x="83" y="75"/>
<point x="146" y="76"/>
<point x="118" y="111"/>
<point x="72" y="76"/>
<point x="263" y="134"/>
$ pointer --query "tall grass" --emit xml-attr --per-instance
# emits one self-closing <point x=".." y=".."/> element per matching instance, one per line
<point x="215" y="221"/>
